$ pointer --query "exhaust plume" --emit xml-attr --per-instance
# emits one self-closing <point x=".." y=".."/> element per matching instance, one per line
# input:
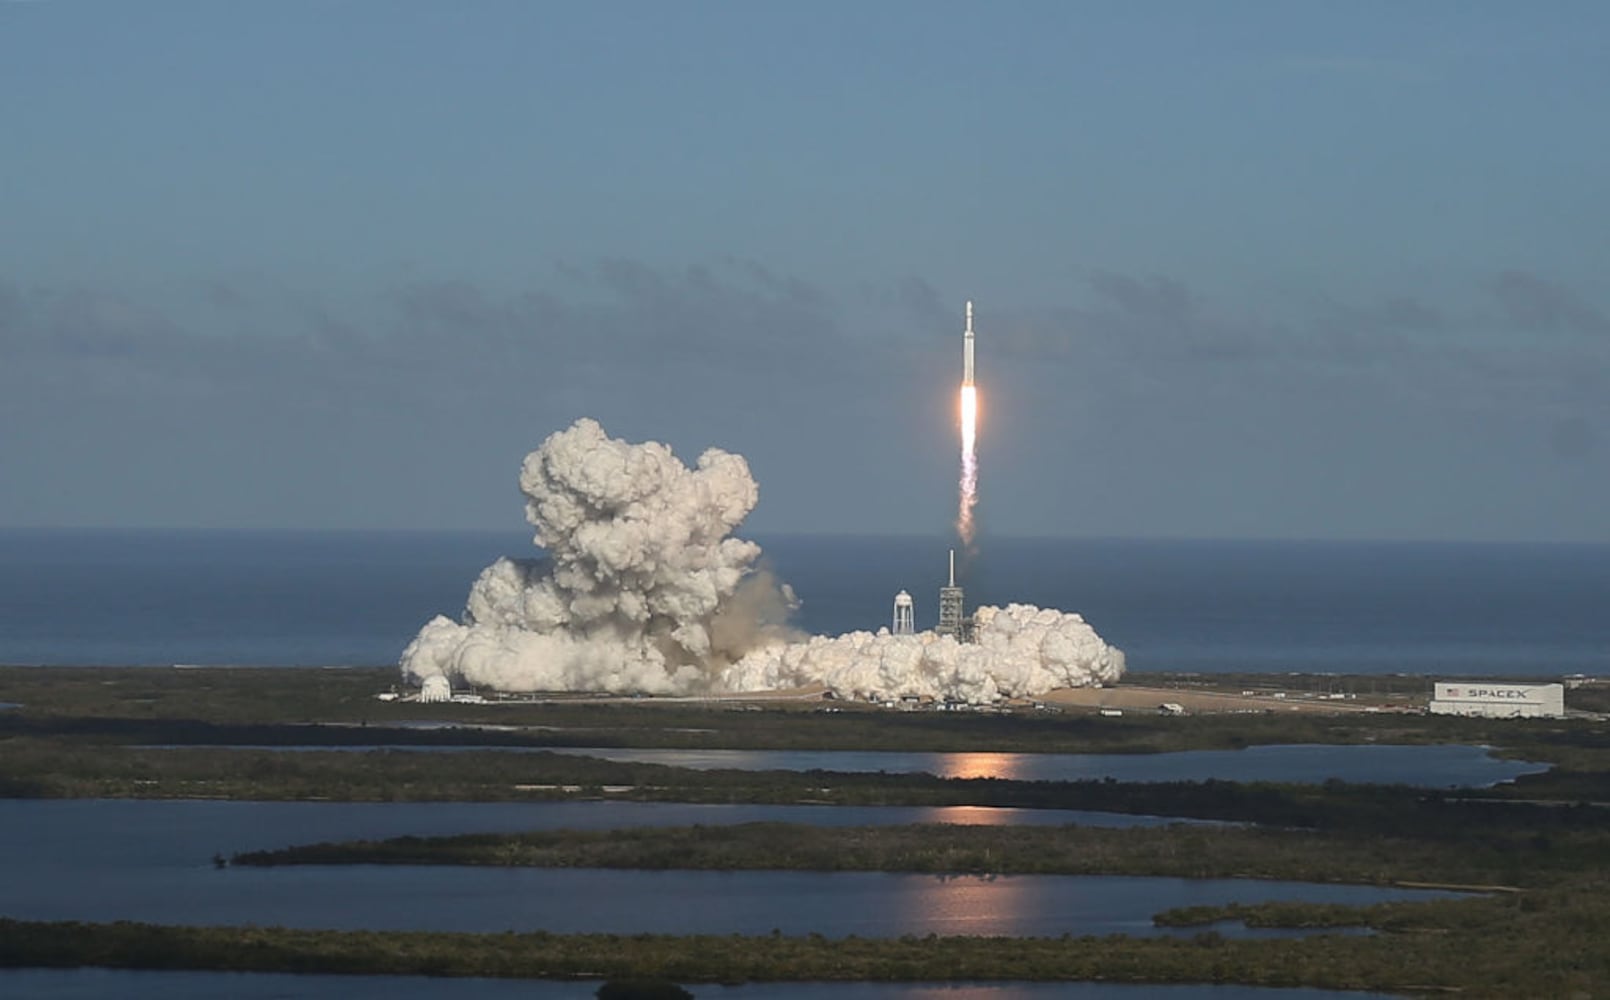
<point x="966" y="529"/>
<point x="1019" y="650"/>
<point x="967" y="413"/>
<point x="644" y="589"/>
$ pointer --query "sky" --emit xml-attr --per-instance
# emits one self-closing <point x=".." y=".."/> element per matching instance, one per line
<point x="1242" y="270"/>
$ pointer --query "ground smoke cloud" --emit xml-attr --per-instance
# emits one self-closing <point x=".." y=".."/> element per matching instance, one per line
<point x="644" y="589"/>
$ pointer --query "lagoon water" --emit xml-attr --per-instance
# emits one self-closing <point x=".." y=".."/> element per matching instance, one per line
<point x="283" y="598"/>
<point x="114" y="871"/>
<point x="834" y="904"/>
<point x="151" y="861"/>
<point x="94" y="984"/>
<point x="115" y="833"/>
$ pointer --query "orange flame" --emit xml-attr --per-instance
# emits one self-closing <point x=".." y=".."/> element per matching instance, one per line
<point x="969" y="482"/>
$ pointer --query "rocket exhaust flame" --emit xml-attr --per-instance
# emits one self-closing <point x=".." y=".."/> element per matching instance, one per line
<point x="965" y="527"/>
<point x="969" y="483"/>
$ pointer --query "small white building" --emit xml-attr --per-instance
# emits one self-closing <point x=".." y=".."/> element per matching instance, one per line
<point x="1498" y="700"/>
<point x="436" y="688"/>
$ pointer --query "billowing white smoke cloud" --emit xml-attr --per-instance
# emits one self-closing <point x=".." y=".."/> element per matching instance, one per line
<point x="1018" y="650"/>
<point x="644" y="589"/>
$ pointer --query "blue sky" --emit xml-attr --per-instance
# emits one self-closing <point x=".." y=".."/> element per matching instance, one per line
<point x="1310" y="270"/>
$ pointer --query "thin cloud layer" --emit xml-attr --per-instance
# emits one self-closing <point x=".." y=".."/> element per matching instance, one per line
<point x="815" y="382"/>
<point x="1530" y="302"/>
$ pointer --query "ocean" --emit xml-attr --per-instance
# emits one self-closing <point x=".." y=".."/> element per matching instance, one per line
<point x="71" y="597"/>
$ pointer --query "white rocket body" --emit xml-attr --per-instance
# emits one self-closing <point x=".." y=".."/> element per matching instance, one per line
<point x="967" y="348"/>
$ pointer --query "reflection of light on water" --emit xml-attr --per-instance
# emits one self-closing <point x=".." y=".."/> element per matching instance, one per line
<point x="979" y="765"/>
<point x="973" y="816"/>
<point x="1428" y="766"/>
<point x="970" y="904"/>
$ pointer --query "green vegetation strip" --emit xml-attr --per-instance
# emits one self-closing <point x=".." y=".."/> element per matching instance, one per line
<point x="1494" y="857"/>
<point x="1310" y="916"/>
<point x="1536" y="944"/>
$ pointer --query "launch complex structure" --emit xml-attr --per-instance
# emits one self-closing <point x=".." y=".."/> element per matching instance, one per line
<point x="954" y="620"/>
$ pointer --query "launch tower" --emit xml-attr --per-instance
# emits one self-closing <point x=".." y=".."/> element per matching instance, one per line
<point x="953" y="620"/>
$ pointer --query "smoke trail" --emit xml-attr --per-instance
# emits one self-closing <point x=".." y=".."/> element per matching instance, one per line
<point x="965" y="527"/>
<point x="644" y="590"/>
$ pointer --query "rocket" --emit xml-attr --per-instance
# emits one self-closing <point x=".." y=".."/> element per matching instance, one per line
<point x="967" y="348"/>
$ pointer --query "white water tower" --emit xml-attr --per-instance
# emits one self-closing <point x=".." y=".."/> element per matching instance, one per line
<point x="905" y="615"/>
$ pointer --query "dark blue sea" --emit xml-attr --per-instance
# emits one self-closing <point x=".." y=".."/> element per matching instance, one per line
<point x="303" y="599"/>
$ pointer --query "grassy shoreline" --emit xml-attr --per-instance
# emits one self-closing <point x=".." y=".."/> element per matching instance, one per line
<point x="1472" y="947"/>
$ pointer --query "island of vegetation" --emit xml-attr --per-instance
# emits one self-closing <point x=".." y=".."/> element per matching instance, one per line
<point x="1502" y="946"/>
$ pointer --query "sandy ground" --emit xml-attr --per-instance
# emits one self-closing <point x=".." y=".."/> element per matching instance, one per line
<point x="1123" y="697"/>
<point x="1133" y="698"/>
<point x="1140" y="698"/>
